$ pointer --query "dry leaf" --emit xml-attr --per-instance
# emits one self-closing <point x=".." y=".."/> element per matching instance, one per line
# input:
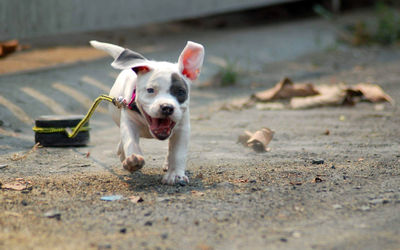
<point x="135" y="199"/>
<point x="242" y="139"/>
<point x="197" y="193"/>
<point x="329" y="96"/>
<point x="8" y="47"/>
<point x="241" y="181"/>
<point x="372" y="92"/>
<point x="341" y="94"/>
<point x="19" y="184"/>
<point x="260" y="139"/>
<point x="270" y="106"/>
<point x="285" y="89"/>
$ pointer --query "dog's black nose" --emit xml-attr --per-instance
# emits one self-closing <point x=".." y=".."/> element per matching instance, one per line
<point x="167" y="109"/>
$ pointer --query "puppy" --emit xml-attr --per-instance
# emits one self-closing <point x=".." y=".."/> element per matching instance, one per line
<point x="156" y="95"/>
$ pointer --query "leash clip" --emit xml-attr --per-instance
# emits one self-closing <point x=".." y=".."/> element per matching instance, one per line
<point x="120" y="102"/>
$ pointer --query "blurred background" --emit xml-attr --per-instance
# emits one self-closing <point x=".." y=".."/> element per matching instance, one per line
<point x="27" y="25"/>
<point x="28" y="20"/>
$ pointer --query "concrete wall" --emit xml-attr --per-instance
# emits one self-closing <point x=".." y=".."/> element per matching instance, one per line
<point x="34" y="18"/>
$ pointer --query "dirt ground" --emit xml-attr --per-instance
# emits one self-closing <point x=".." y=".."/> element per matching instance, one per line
<point x="237" y="198"/>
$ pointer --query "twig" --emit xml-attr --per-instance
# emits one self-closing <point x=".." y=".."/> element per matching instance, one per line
<point x="17" y="157"/>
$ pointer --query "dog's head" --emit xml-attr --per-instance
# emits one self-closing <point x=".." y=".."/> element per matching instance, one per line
<point x="162" y="88"/>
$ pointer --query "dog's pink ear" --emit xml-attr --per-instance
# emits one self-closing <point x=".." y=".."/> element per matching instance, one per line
<point x="191" y="60"/>
<point x="141" y="69"/>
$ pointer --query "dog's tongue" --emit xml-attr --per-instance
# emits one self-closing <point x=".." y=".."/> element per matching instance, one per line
<point x="161" y="127"/>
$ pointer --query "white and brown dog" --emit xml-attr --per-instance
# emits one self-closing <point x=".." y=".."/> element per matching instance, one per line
<point x="157" y="95"/>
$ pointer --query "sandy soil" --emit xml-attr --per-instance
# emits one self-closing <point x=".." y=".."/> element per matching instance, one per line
<point x="237" y="199"/>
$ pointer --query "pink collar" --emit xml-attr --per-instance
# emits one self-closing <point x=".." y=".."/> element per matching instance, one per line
<point x="133" y="97"/>
<point x="132" y="104"/>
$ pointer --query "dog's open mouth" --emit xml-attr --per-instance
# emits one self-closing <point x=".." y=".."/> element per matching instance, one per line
<point x="160" y="127"/>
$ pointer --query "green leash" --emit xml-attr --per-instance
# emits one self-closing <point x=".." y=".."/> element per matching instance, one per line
<point x="71" y="133"/>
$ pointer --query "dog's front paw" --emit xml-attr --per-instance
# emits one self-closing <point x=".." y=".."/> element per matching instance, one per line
<point x="133" y="163"/>
<point x="172" y="178"/>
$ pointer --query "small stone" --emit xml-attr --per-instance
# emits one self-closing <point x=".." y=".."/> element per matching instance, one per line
<point x="337" y="206"/>
<point x="318" y="180"/>
<point x="53" y="214"/>
<point x="163" y="199"/>
<point x="296" y="234"/>
<point x="182" y="183"/>
<point x="105" y="246"/>
<point x="333" y="167"/>
<point x="317" y="161"/>
<point x="24" y="203"/>
<point x="365" y="208"/>
<point x="283" y="239"/>
<point x="3" y="166"/>
<point x="164" y="236"/>
<point x="148" y="223"/>
<point x="376" y="201"/>
<point x="122" y="230"/>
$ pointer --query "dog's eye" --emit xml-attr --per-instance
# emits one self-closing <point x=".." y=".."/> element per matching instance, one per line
<point x="150" y="90"/>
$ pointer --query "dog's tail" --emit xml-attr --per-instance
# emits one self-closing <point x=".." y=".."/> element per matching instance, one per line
<point x="111" y="49"/>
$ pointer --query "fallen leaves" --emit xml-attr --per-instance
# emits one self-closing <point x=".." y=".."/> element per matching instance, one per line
<point x="18" y="184"/>
<point x="372" y="93"/>
<point x="285" y="89"/>
<point x="308" y="95"/>
<point x="241" y="181"/>
<point x="8" y="47"/>
<point x="135" y="199"/>
<point x="327" y="96"/>
<point x="258" y="141"/>
<point x="197" y="193"/>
